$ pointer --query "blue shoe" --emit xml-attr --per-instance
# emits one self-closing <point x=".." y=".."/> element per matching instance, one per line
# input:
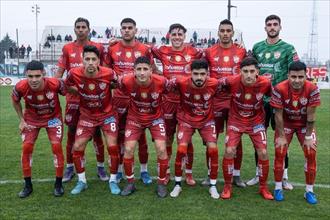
<point x="102" y="174"/>
<point x="310" y="198"/>
<point x="81" y="186"/>
<point x="114" y="188"/>
<point x="119" y="177"/>
<point x="278" y="195"/>
<point x="146" y="179"/>
<point x="68" y="174"/>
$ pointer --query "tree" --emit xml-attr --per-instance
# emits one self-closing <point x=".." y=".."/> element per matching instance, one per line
<point x="5" y="44"/>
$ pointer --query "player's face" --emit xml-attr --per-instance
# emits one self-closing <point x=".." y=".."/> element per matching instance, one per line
<point x="249" y="74"/>
<point x="35" y="79"/>
<point x="297" y="79"/>
<point x="128" y="31"/>
<point x="81" y="30"/>
<point x="199" y="77"/>
<point x="177" y="37"/>
<point x="91" y="63"/>
<point x="225" y="33"/>
<point x="273" y="28"/>
<point x="143" y="73"/>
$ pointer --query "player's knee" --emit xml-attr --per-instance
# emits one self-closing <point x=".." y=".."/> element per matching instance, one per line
<point x="182" y="150"/>
<point x="57" y="148"/>
<point x="129" y="152"/>
<point x="113" y="150"/>
<point x="27" y="148"/>
<point x="230" y="152"/>
<point x="262" y="154"/>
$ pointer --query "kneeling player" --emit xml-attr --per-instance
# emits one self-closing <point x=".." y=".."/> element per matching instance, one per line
<point x="295" y="101"/>
<point x="42" y="110"/>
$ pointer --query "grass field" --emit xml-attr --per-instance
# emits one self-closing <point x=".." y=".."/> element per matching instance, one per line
<point x="193" y="203"/>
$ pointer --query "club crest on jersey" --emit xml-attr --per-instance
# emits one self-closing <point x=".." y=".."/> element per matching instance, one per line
<point x="187" y="58"/>
<point x="40" y="97"/>
<point x="197" y="97"/>
<point x="128" y="133"/>
<point x="137" y="54"/>
<point x="79" y="131"/>
<point x="259" y="96"/>
<point x="277" y="54"/>
<point x="118" y="53"/>
<point x="226" y="59"/>
<point x="128" y="54"/>
<point x="177" y="58"/>
<point x="180" y="135"/>
<point x="248" y="96"/>
<point x="206" y="96"/>
<point x="295" y="103"/>
<point x="155" y="95"/>
<point x="144" y="95"/>
<point x="267" y="55"/>
<point x="216" y="59"/>
<point x="303" y="100"/>
<point x="68" y="118"/>
<point x="50" y="95"/>
<point x="102" y="85"/>
<point x="187" y="94"/>
<point x="236" y="59"/>
<point x="91" y="86"/>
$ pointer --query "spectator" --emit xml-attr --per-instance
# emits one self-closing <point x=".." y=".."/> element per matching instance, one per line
<point x="153" y="40"/>
<point x="11" y="52"/>
<point x="28" y="50"/>
<point x="52" y="37"/>
<point x="145" y="40"/>
<point x="195" y="36"/>
<point x="70" y="37"/>
<point x="163" y="40"/>
<point x="22" y="51"/>
<point x="59" y="38"/>
<point x="94" y="33"/>
<point x="108" y="33"/>
<point x="47" y="44"/>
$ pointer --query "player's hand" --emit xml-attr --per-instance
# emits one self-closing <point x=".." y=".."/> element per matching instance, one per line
<point x="309" y="144"/>
<point x="281" y="142"/>
<point x="113" y="41"/>
<point x="22" y="125"/>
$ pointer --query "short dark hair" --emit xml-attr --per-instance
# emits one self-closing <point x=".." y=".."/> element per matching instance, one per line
<point x="273" y="17"/>
<point x="80" y="19"/>
<point x="128" y="20"/>
<point x="226" y="21"/>
<point x="248" y="61"/>
<point x="177" y="26"/>
<point x="34" y="65"/>
<point x="199" y="64"/>
<point x="92" y="49"/>
<point x="142" y="59"/>
<point x="297" y="66"/>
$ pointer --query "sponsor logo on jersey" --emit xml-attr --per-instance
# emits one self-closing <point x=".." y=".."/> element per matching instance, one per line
<point x="52" y="123"/>
<point x="259" y="127"/>
<point x="155" y="95"/>
<point x="216" y="59"/>
<point x="277" y="54"/>
<point x="79" y="131"/>
<point x="197" y="97"/>
<point x="102" y="85"/>
<point x="248" y="96"/>
<point x="206" y="96"/>
<point x="128" y="54"/>
<point x="259" y="96"/>
<point x="158" y="121"/>
<point x="303" y="100"/>
<point x="40" y="97"/>
<point x="128" y="133"/>
<point x="109" y="120"/>
<point x="50" y="95"/>
<point x="91" y="86"/>
<point x="177" y="58"/>
<point x="144" y="95"/>
<point x="295" y="103"/>
<point x="236" y="59"/>
<point x="188" y="58"/>
<point x="267" y="55"/>
<point x="226" y="59"/>
<point x="137" y="54"/>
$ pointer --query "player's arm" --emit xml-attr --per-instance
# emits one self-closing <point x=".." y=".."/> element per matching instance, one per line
<point x="16" y="101"/>
<point x="311" y="116"/>
<point x="70" y="85"/>
<point x="59" y="73"/>
<point x="281" y="140"/>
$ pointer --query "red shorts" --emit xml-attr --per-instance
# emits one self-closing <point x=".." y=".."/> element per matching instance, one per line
<point x="134" y="130"/>
<point x="257" y="135"/>
<point x="72" y="114"/>
<point x="121" y="105"/>
<point x="169" y="110"/>
<point x="207" y="132"/>
<point x="86" y="126"/>
<point x="54" y="130"/>
<point x="220" y="117"/>
<point x="300" y="132"/>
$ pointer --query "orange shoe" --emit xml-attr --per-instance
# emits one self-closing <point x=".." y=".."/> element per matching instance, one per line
<point x="167" y="178"/>
<point x="265" y="193"/>
<point x="190" y="180"/>
<point x="227" y="191"/>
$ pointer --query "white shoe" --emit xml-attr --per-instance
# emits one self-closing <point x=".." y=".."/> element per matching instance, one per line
<point x="287" y="185"/>
<point x="214" y="192"/>
<point x="253" y="181"/>
<point x="176" y="191"/>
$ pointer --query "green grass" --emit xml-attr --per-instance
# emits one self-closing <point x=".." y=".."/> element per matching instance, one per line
<point x="193" y="203"/>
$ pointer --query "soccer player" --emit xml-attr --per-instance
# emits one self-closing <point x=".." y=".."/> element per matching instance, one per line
<point x="92" y="83"/>
<point x="42" y="110"/>
<point x="224" y="59"/>
<point x="145" y="91"/>
<point x="295" y="101"/>
<point x="246" y="116"/>
<point x="196" y="113"/>
<point x="274" y="57"/>
<point x="121" y="57"/>
<point x="176" y="60"/>
<point x="72" y="57"/>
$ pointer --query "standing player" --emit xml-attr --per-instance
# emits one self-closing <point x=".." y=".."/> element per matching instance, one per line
<point x="176" y="60"/>
<point x="274" y="57"/>
<point x="295" y="101"/>
<point x="246" y="115"/>
<point x="42" y="110"/>
<point x="145" y="91"/>
<point x="92" y="83"/>
<point x="121" y="57"/>
<point x="196" y="113"/>
<point x="224" y="59"/>
<point x="72" y="57"/>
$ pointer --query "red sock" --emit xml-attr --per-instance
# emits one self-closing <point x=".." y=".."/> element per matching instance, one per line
<point x="263" y="166"/>
<point x="180" y="154"/>
<point x="239" y="156"/>
<point x="214" y="157"/>
<point x="114" y="159"/>
<point x="190" y="156"/>
<point x="98" y="146"/>
<point x="279" y="163"/>
<point x="79" y="161"/>
<point x="310" y="166"/>
<point x="27" y="149"/>
<point x="207" y="157"/>
<point x="128" y="167"/>
<point x="143" y="149"/>
<point x="227" y="169"/>
<point x="69" y="145"/>
<point x="58" y="159"/>
<point x="162" y="164"/>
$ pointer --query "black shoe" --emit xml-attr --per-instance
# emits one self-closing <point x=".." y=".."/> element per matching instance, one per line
<point x="128" y="190"/>
<point x="58" y="190"/>
<point x="161" y="190"/>
<point x="27" y="190"/>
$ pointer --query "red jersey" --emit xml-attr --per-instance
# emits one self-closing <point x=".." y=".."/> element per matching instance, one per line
<point x="224" y="62"/>
<point x="246" y="104"/>
<point x="196" y="104"/>
<point x="121" y="58"/>
<point x="176" y="63"/>
<point x="94" y="93"/>
<point x="145" y="102"/>
<point x="294" y="104"/>
<point x="40" y="106"/>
